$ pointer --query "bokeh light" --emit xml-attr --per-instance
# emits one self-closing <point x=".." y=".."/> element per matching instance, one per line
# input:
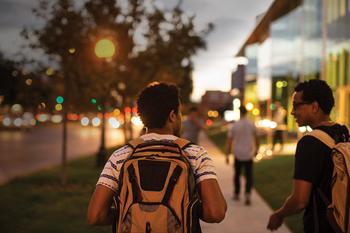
<point x="136" y="120"/>
<point x="96" y="121"/>
<point x="104" y="48"/>
<point x="58" y="107"/>
<point x="56" y="118"/>
<point x="249" y="106"/>
<point x="84" y="121"/>
<point x="29" y="82"/>
<point x="6" y="121"/>
<point x="114" y="122"/>
<point x="18" y="122"/>
<point x="49" y="71"/>
<point x="59" y="99"/>
<point x="71" y="50"/>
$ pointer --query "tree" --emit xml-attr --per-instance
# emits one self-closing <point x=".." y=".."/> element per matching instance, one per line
<point x="70" y="33"/>
<point x="61" y="39"/>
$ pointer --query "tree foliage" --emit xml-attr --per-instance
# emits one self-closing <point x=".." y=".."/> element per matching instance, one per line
<point x="151" y="44"/>
<point x="18" y="85"/>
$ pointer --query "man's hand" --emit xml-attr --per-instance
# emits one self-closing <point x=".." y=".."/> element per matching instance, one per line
<point x="227" y="159"/>
<point x="275" y="222"/>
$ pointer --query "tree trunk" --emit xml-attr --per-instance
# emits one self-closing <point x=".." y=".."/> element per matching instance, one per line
<point x="64" y="149"/>
<point x="102" y="153"/>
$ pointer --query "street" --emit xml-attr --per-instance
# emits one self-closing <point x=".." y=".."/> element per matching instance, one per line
<point x="25" y="152"/>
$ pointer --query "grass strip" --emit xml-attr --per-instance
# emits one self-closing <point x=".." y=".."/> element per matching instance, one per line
<point x="39" y="204"/>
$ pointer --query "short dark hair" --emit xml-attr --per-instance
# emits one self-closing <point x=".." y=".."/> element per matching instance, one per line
<point x="319" y="91"/>
<point x="156" y="101"/>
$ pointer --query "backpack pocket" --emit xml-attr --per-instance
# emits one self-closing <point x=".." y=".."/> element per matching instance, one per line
<point x="150" y="218"/>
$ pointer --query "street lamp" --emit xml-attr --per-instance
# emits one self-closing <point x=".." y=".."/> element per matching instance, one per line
<point x="104" y="49"/>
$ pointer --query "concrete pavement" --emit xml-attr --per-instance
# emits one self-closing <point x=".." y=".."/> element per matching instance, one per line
<point x="239" y="218"/>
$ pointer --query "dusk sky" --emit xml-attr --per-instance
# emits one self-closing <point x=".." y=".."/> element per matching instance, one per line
<point x="233" y="20"/>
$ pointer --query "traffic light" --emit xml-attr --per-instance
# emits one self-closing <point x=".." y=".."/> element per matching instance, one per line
<point x="93" y="101"/>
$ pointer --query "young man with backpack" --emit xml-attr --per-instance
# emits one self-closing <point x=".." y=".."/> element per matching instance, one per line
<point x="316" y="175"/>
<point x="158" y="182"/>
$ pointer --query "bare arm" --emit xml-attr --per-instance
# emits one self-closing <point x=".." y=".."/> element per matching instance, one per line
<point x="99" y="211"/>
<point x="294" y="204"/>
<point x="213" y="202"/>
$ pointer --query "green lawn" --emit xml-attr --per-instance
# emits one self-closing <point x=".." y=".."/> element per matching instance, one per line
<point x="272" y="179"/>
<point x="37" y="203"/>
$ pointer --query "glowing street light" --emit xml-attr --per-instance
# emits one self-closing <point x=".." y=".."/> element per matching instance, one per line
<point x="104" y="48"/>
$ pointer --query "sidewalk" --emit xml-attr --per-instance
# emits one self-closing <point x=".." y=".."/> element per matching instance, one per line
<point x="239" y="218"/>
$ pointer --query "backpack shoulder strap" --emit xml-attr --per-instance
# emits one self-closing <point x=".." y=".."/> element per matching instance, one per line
<point x="330" y="142"/>
<point x="182" y="143"/>
<point x="172" y="181"/>
<point x="323" y="137"/>
<point x="135" y="142"/>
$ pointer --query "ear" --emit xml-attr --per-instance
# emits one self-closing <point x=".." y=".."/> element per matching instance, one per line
<point x="172" y="116"/>
<point x="315" y="107"/>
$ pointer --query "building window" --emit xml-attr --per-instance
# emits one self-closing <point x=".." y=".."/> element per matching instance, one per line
<point x="342" y="64"/>
<point x="332" y="70"/>
<point x="330" y="11"/>
<point x="347" y="67"/>
<point x="336" y="9"/>
<point x="342" y="107"/>
<point x="342" y="8"/>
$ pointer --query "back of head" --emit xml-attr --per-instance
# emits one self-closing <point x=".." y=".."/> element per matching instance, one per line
<point x="319" y="91"/>
<point x="155" y="102"/>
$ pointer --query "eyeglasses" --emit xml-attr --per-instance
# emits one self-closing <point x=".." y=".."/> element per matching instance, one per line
<point x="296" y="104"/>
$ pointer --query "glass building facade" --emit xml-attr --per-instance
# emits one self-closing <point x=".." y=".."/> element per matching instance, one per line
<point x="310" y="42"/>
<point x="337" y="43"/>
<point x="250" y="96"/>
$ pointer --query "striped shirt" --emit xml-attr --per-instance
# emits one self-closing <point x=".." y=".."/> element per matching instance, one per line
<point x="200" y="161"/>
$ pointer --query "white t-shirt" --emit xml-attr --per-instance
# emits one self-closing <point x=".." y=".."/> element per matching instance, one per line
<point x="200" y="161"/>
<point x="243" y="133"/>
<point x="278" y="117"/>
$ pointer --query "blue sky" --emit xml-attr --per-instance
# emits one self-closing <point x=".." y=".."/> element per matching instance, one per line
<point x="233" y="20"/>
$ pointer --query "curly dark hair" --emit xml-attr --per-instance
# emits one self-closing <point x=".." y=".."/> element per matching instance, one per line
<point x="319" y="91"/>
<point x="155" y="103"/>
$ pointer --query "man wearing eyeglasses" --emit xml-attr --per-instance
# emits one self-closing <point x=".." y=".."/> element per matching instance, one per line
<point x="312" y="103"/>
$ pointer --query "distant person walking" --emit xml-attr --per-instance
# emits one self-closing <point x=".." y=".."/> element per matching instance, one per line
<point x="312" y="103"/>
<point x="244" y="140"/>
<point x="193" y="125"/>
<point x="279" y="117"/>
